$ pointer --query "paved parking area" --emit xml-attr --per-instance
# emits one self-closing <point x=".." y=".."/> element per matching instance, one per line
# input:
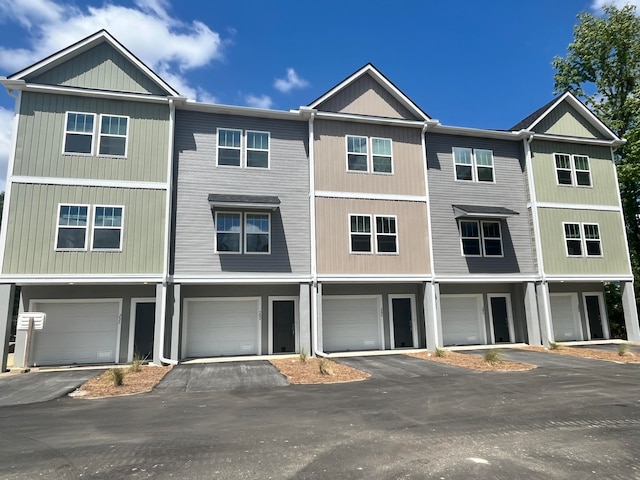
<point x="542" y="359"/>
<point x="33" y="387"/>
<point x="394" y="367"/>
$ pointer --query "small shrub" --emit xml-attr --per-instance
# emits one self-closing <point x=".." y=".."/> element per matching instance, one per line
<point x="137" y="364"/>
<point x="554" y="346"/>
<point x="440" y="352"/>
<point x="492" y="355"/>
<point x="115" y="376"/>
<point x="623" y="349"/>
<point x="304" y="356"/>
<point x="326" y="366"/>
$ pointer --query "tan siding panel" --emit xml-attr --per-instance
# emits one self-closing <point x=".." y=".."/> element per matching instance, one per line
<point x="41" y="133"/>
<point x="332" y="216"/>
<point x="556" y="261"/>
<point x="365" y="96"/>
<point x="565" y="120"/>
<point x="32" y="231"/>
<point x="331" y="160"/>
<point x="603" y="192"/>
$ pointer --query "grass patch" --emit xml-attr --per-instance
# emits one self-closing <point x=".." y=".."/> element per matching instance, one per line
<point x="623" y="349"/>
<point x="326" y="366"/>
<point x="554" y="346"/>
<point x="137" y="364"/>
<point x="492" y="356"/>
<point x="304" y="356"/>
<point x="115" y="376"/>
<point x="440" y="353"/>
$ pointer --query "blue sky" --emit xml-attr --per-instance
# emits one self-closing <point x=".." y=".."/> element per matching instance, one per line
<point x="467" y="62"/>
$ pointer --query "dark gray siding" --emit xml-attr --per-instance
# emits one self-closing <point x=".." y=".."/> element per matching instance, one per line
<point x="508" y="191"/>
<point x="197" y="177"/>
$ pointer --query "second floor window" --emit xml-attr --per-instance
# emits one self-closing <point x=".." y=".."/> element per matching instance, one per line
<point x="582" y="239"/>
<point x="365" y="154"/>
<point x="79" y="135"/>
<point x="572" y="170"/>
<point x="473" y="165"/>
<point x="246" y="149"/>
<point x="361" y="234"/>
<point x="481" y="238"/>
<point x="243" y="233"/>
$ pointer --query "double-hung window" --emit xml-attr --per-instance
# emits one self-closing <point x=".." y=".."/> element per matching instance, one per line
<point x="72" y="227"/>
<point x="245" y="149"/>
<point x="386" y="234"/>
<point x="481" y="238"/>
<point x="473" y="165"/>
<point x="365" y="154"/>
<point x="582" y="239"/>
<point x="113" y="136"/>
<point x="78" y="134"/>
<point x="107" y="228"/>
<point x="243" y="233"/>
<point x="572" y="170"/>
<point x="72" y="230"/>
<point x="360" y="234"/>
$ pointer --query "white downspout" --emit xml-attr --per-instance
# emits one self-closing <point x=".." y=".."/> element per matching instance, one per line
<point x="167" y="233"/>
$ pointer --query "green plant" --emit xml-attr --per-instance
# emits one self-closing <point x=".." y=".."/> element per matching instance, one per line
<point x="304" y="356"/>
<point x="623" y="349"/>
<point x="326" y="366"/>
<point x="137" y="363"/>
<point x="440" y="352"/>
<point x="492" y="355"/>
<point x="554" y="346"/>
<point x="115" y="376"/>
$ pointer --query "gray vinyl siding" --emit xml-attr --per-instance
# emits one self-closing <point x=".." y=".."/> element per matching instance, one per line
<point x="42" y="129"/>
<point x="31" y="231"/>
<point x="100" y="68"/>
<point x="365" y="96"/>
<point x="197" y="177"/>
<point x="508" y="191"/>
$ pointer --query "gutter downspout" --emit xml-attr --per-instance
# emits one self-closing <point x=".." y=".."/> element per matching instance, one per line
<point x="314" y="260"/>
<point x="167" y="234"/>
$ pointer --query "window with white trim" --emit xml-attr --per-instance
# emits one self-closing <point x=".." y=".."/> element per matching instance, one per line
<point x="481" y="238"/>
<point x="78" y="133"/>
<point x="360" y="234"/>
<point x="244" y="149"/>
<point x="386" y="234"/>
<point x="369" y="154"/>
<point x="243" y="233"/>
<point x="71" y="228"/>
<point x="113" y="136"/>
<point x="473" y="165"/>
<point x="229" y="151"/>
<point x="572" y="170"/>
<point x="257" y="149"/>
<point x="582" y="239"/>
<point x="107" y="228"/>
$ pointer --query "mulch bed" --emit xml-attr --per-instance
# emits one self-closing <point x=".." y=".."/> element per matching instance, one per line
<point x="134" y="382"/>
<point x="474" y="362"/>
<point x="595" y="353"/>
<point x="308" y="371"/>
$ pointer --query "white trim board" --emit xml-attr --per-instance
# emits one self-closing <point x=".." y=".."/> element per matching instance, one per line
<point x="79" y="279"/>
<point x="88" y="182"/>
<point x="580" y="206"/>
<point x="370" y="196"/>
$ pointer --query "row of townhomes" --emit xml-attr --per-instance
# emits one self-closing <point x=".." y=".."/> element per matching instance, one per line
<point x="144" y="223"/>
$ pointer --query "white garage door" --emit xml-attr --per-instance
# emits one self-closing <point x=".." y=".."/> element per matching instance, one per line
<point x="76" y="333"/>
<point x="351" y="323"/>
<point x="222" y="326"/>
<point x="564" y="316"/>
<point x="462" y="320"/>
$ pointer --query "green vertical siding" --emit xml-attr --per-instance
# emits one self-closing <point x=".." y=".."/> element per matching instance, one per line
<point x="41" y="135"/>
<point x="603" y="190"/>
<point x="556" y="262"/>
<point x="565" y="120"/>
<point x="31" y="232"/>
<point x="101" y="68"/>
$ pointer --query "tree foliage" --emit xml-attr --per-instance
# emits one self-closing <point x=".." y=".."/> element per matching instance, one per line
<point x="602" y="68"/>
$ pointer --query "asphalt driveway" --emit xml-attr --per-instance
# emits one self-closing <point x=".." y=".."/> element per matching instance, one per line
<point x="542" y="359"/>
<point x="36" y="387"/>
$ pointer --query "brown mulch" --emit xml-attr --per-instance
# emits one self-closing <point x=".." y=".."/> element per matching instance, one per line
<point x="307" y="372"/>
<point x="474" y="362"/>
<point x="595" y="353"/>
<point x="134" y="382"/>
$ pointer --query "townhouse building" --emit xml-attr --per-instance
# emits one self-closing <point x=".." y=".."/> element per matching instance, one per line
<point x="144" y="223"/>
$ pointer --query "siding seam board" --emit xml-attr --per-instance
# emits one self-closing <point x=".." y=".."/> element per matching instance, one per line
<point x="88" y="182"/>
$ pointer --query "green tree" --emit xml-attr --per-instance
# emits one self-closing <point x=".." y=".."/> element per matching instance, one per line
<point x="602" y="68"/>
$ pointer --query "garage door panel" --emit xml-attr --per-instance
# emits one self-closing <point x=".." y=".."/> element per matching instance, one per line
<point x="563" y="311"/>
<point x="461" y="320"/>
<point x="351" y="324"/>
<point x="76" y="333"/>
<point x="221" y="327"/>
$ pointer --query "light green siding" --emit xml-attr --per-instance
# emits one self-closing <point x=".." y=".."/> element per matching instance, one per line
<point x="603" y="190"/>
<point x="565" y="120"/>
<point x="556" y="261"/>
<point x="41" y="134"/>
<point x="31" y="232"/>
<point x="101" y="68"/>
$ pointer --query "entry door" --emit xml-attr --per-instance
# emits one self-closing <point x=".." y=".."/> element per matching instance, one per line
<point x="594" y="308"/>
<point x="403" y="322"/>
<point x="284" y="326"/>
<point x="501" y="320"/>
<point x="145" y="327"/>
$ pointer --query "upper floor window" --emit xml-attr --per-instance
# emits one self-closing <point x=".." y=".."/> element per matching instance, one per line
<point x="582" y="239"/>
<point x="361" y="234"/>
<point x="243" y="149"/>
<point x="481" y="238"/>
<point x="473" y="165"/>
<point x="72" y="227"/>
<point x="572" y="170"/>
<point x="366" y="154"/>
<point x="386" y="234"/>
<point x="234" y="236"/>
<point x="78" y="134"/>
<point x="113" y="135"/>
<point x="107" y="228"/>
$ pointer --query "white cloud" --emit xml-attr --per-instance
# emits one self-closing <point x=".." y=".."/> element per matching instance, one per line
<point x="292" y="81"/>
<point x="263" y="101"/>
<point x="6" y="123"/>
<point x="52" y="26"/>
<point x="598" y="4"/>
